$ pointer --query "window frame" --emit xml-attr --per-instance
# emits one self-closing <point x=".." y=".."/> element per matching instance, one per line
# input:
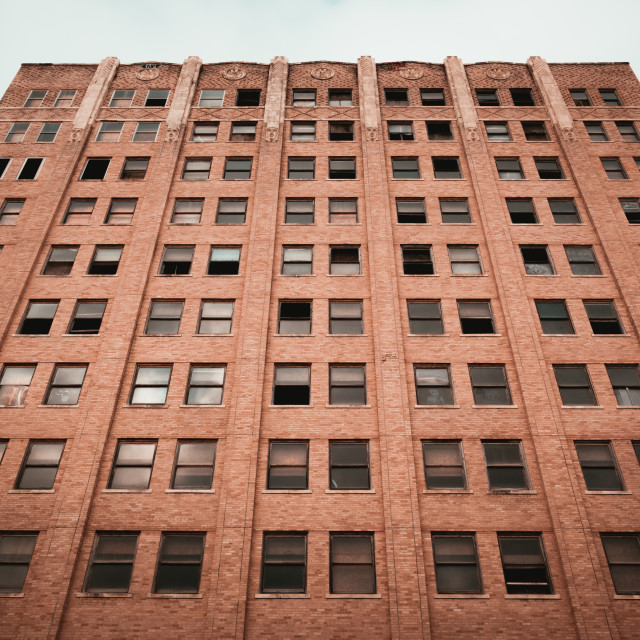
<point x="21" y="562"/>
<point x="136" y="464"/>
<point x="152" y="318"/>
<point x="599" y="464"/>
<point x="35" y="465"/>
<point x="477" y="400"/>
<point x="74" y="316"/>
<point x="425" y="444"/>
<point x="448" y="401"/>
<point x="439" y="565"/>
<point x="160" y="563"/>
<point x="333" y="563"/>
<point x="277" y="366"/>
<point x="335" y="385"/>
<point x="346" y="465"/>
<point x="201" y="316"/>
<point x="627" y="388"/>
<point x="491" y="483"/>
<point x="264" y="562"/>
<point x="135" y="385"/>
<point x="565" y="385"/>
<point x="199" y="465"/>
<point x="52" y="384"/>
<point x="210" y="386"/>
<point x="610" y="563"/>
<point x="92" y="561"/>
<point x="543" y="555"/>
<point x="271" y="484"/>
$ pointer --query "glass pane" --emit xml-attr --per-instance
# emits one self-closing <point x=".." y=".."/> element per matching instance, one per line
<point x="347" y="395"/>
<point x="178" y="578"/>
<point x="204" y="395"/>
<point x="288" y="478"/>
<point x="458" y="579"/>
<point x="106" y="254"/>
<point x="153" y="375"/>
<point x="285" y="548"/>
<point x="502" y="453"/>
<point x="69" y="375"/>
<point x="193" y="478"/>
<point x="225" y="255"/>
<point x="12" y="577"/>
<point x="352" y="579"/>
<point x="491" y="396"/>
<point x="445" y="478"/>
<point x="292" y="375"/>
<point x="38" y="477"/>
<point x="349" y="453"/>
<point x="217" y="309"/>
<point x="167" y="309"/>
<point x="176" y="254"/>
<point x="17" y="548"/>
<point x="355" y="549"/>
<point x="507" y="478"/>
<point x="182" y="548"/>
<point x="624" y="376"/>
<point x="487" y="376"/>
<point x="131" y="478"/>
<point x="109" y="577"/>
<point x="207" y="375"/>
<point x="63" y="395"/>
<point x="434" y="395"/>
<point x="601" y="479"/>
<point x="626" y="579"/>
<point x="288" y="454"/>
<point x="45" y="453"/>
<point x="196" y="452"/>
<point x="350" y="478"/>
<point x="521" y="550"/>
<point x="136" y="453"/>
<point x="17" y="375"/>
<point x="283" y="578"/>
<point x="347" y="375"/>
<point x="622" y="548"/>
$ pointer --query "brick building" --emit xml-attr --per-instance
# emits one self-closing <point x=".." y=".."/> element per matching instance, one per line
<point x="320" y="350"/>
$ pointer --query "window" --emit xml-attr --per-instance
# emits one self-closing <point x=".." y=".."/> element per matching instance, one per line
<point x="14" y="384"/>
<point x="344" y="261"/>
<point x="17" y="132"/>
<point x="176" y="261"/>
<point x="48" y="132"/>
<point x="195" y="461"/>
<point x="345" y="317"/>
<point x="444" y="465"/>
<point x="522" y="97"/>
<point x="352" y="563"/>
<point x="524" y="564"/>
<point x="341" y="131"/>
<point x="30" y="169"/>
<point x="87" y="317"/>
<point x="40" y="465"/>
<point x="211" y="98"/>
<point x="349" y="465"/>
<point x="121" y="211"/>
<point x="465" y="260"/>
<point x="105" y="261"/>
<point x="157" y="98"/>
<point x="231" y="211"/>
<point x="196" y="169"/>
<point x="614" y="169"/>
<point x="224" y="261"/>
<point x="288" y="465"/>
<point x="340" y="98"/>
<point x="3" y="448"/>
<point x="610" y="97"/>
<point x="537" y="261"/>
<point x="599" y="466"/>
<point x="522" y="211"/>
<point x="248" y="98"/>
<point x="505" y="466"/>
<point x="433" y="384"/>
<point x="490" y="385"/>
<point x="564" y="211"/>
<point x="455" y="211"/>
<point x="179" y="563"/>
<point x="301" y="169"/>
<point x="121" y="98"/>
<point x="4" y="163"/>
<point x="146" y="132"/>
<point x="65" y="385"/>
<point x="554" y="317"/>
<point x="60" y="260"/>
<point x="509" y="169"/>
<point x="580" y="97"/>
<point x="164" y="317"/>
<point x="95" y="169"/>
<point x="204" y="132"/>
<point x="396" y="97"/>
<point x="111" y="563"/>
<point x="16" y="551"/>
<point x="242" y="132"/>
<point x="631" y="208"/>
<point x="628" y="131"/>
<point x="475" y="316"/>
<point x="549" y="168"/>
<point x="35" y="99"/>
<point x="65" y="98"/>
<point x="582" y="261"/>
<point x="297" y="261"/>
<point x="79" y="212"/>
<point x="456" y="563"/>
<point x="417" y="260"/>
<point x="411" y="211"/>
<point x="342" y="168"/>
<point x="623" y="556"/>
<point x="347" y="384"/>
<point x="134" y="169"/>
<point x="303" y="131"/>
<point x="400" y="131"/>
<point x="626" y="384"/>
<point x="284" y="563"/>
<point x="596" y="131"/>
<point x="150" y="385"/>
<point x="446" y="168"/>
<point x="497" y="131"/>
<point x="291" y="384"/>
<point x="439" y="130"/>
<point x="294" y="316"/>
<point x="39" y="317"/>
<point x="216" y="317"/>
<point x="488" y="97"/>
<point x="603" y="317"/>
<point x="299" y="211"/>
<point x="10" y="211"/>
<point x="574" y="385"/>
<point x="432" y="97"/>
<point x="425" y="317"/>
<point x="205" y="386"/>
<point x="187" y="211"/>
<point x="343" y="211"/>
<point x="303" y="98"/>
<point x="405" y="168"/>
<point x="535" y="131"/>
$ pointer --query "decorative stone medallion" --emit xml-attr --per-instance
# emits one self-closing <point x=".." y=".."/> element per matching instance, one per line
<point x="411" y="73"/>
<point x="496" y="73"/>
<point x="322" y="73"/>
<point x="233" y="73"/>
<point x="147" y="74"/>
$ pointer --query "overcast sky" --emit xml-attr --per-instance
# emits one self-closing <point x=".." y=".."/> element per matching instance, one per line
<point x="254" y="30"/>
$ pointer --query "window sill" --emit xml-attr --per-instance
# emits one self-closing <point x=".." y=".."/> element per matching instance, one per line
<point x="210" y="335"/>
<point x="581" y="406"/>
<point x="145" y="406"/>
<point x="354" y="596"/>
<point x="449" y="491"/>
<point x="289" y="406"/>
<point x="531" y="596"/>
<point x="296" y="275"/>
<point x="159" y="335"/>
<point x="189" y="490"/>
<point x="345" y="275"/>
<point x="223" y="275"/>
<point x="629" y="407"/>
<point x="610" y="335"/>
<point x="421" y="335"/>
<point x="181" y="224"/>
<point x="99" y="275"/>
<point x="347" y="406"/>
<point x="461" y="596"/>
<point x="58" y="406"/>
<point x="603" y="493"/>
<point x="278" y="596"/>
<point x="437" y="406"/>
<point x="469" y="275"/>
<point x="30" y="335"/>
<point x="80" y="335"/>
<point x="17" y="595"/>
<point x="512" y="492"/>
<point x="347" y="335"/>
<point x="293" y="335"/>
<point x="104" y="595"/>
<point x="302" y="179"/>
<point x="126" y="491"/>
<point x="173" y="275"/>
<point x="287" y="491"/>
<point x="201" y="406"/>
<point x="31" y="491"/>
<point x="494" y="406"/>
<point x="615" y="597"/>
<point x="586" y="275"/>
<point x="481" y="335"/>
<point x="542" y="275"/>
<point x="176" y="596"/>
<point x="560" y="335"/>
<point x="12" y="406"/>
<point x="420" y="275"/>
<point x="407" y="179"/>
<point x="349" y="490"/>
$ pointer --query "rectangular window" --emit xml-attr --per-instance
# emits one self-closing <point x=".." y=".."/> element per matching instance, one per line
<point x="433" y="384"/>
<point x="400" y="131"/>
<point x="164" y="317"/>
<point x="343" y="211"/>
<point x="425" y="317"/>
<point x="626" y="384"/>
<point x="176" y="261"/>
<point x="446" y="168"/>
<point x="456" y="563"/>
<point x="48" y="132"/>
<point x="284" y="563"/>
<point x="599" y="466"/>
<point x="475" y="316"/>
<point x="294" y="317"/>
<point x="524" y="563"/>
<point x="301" y="169"/>
<point x="248" y="98"/>
<point x="342" y="168"/>
<point x="505" y="466"/>
<point x="610" y="97"/>
<point x="111" y="563"/>
<point x="39" y="317"/>
<point x="490" y="384"/>
<point x="341" y="131"/>
<point x="564" y="211"/>
<point x="522" y="211"/>
<point x="187" y="211"/>
<point x="488" y="97"/>
<point x="574" y="385"/>
<point x="244" y="131"/>
<point x="299" y="211"/>
<point x="105" y="261"/>
<point x="40" y="465"/>
<point x="87" y="317"/>
<point x="65" y="385"/>
<point x="628" y="131"/>
<point x="204" y="132"/>
<point x="146" y="132"/>
<point x="35" y="98"/>
<point x="3" y="448"/>
<point x="623" y="557"/>
<point x="554" y="317"/>
<point x="537" y="261"/>
<point x="224" y="261"/>
<point x="433" y="97"/>
<point x="4" y="163"/>
<point x="303" y="98"/>
<point x="194" y="464"/>
<point x="439" y="130"/>
<point x="150" y="384"/>
<point x="60" y="260"/>
<point x="345" y="317"/>
<point x="631" y="208"/>
<point x="196" y="169"/>
<point x="596" y="131"/>
<point x="614" y="169"/>
<point x="216" y="317"/>
<point x="79" y="211"/>
<point x="349" y="465"/>
<point x="109" y="132"/>
<point x="497" y="131"/>
<point x="549" y="168"/>
<point x="288" y="466"/>
<point x="16" y="551"/>
<point x="121" y="211"/>
<point x="297" y="261"/>
<point x="396" y="97"/>
<point x="65" y="98"/>
<point x="340" y="98"/>
<point x="522" y="97"/>
<point x="352" y="563"/>
<point x="455" y="211"/>
<point x="17" y="132"/>
<point x="535" y="131"/>
<point x="134" y="169"/>
<point x="580" y="97"/>
<point x="344" y="261"/>
<point x="10" y="211"/>
<point x="206" y="385"/>
<point x="30" y="169"/>
<point x="211" y="98"/>
<point x="405" y="168"/>
<point x="347" y="384"/>
<point x="121" y="98"/>
<point x="411" y="211"/>
<point x="157" y="98"/>
<point x="302" y="131"/>
<point x="231" y="211"/>
<point x="292" y="384"/>
<point x="465" y="260"/>
<point x="14" y="384"/>
<point x="583" y="261"/>
<point x="444" y="465"/>
<point x="603" y="317"/>
<point x="417" y="260"/>
<point x="509" y="169"/>
<point x="179" y="563"/>
<point x="95" y="169"/>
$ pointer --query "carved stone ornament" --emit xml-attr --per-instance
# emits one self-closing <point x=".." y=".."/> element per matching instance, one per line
<point x="411" y="73"/>
<point x="322" y="73"/>
<point x="496" y="73"/>
<point x="472" y="134"/>
<point x="147" y="74"/>
<point x="271" y="134"/>
<point x="372" y="134"/>
<point x="568" y="133"/>
<point x="233" y="73"/>
<point x="172" y="135"/>
<point x="389" y="356"/>
<point x="76" y="135"/>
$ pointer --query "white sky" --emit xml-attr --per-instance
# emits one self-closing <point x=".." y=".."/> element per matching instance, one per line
<point x="342" y="30"/>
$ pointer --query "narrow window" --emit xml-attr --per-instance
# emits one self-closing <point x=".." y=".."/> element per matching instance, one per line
<point x="146" y="132"/>
<point x="14" y="384"/>
<point x="105" y="261"/>
<point x="614" y="169"/>
<point x="610" y="97"/>
<point x="224" y="261"/>
<point x="417" y="260"/>
<point x="345" y="317"/>
<point x="537" y="261"/>
<point x="524" y="564"/>
<point x="535" y="131"/>
<point x="509" y="169"/>
<point x="623" y="557"/>
<point x="288" y="466"/>
<point x="302" y="131"/>
<point x="216" y="317"/>
<point x="433" y="384"/>
<point x="603" y="317"/>
<point x="17" y="132"/>
<point x="446" y="168"/>
<point x="248" y="98"/>
<point x="488" y="97"/>
<point x="574" y="385"/>
<point x="599" y="466"/>
<point x="432" y="97"/>
<point x="465" y="260"/>
<point x="65" y="385"/>
<point x="344" y="260"/>
<point x="352" y="563"/>
<point x="522" y="97"/>
<point x="60" y="261"/>
<point x="489" y="384"/>
<point x="39" y="317"/>
<point x="134" y="169"/>
<point x="343" y="210"/>
<point x="341" y="131"/>
<point x="206" y="385"/>
<point x="111" y="563"/>
<point x="455" y="211"/>
<point x="564" y="211"/>
<point x="456" y="563"/>
<point x="505" y="466"/>
<point x="291" y="384"/>
<point x="187" y="211"/>
<point x="475" y="316"/>
<point x="297" y="261"/>
<point x="150" y="385"/>
<point x="30" y="169"/>
<point x="195" y="461"/>
<point x="340" y="98"/>
<point x="87" y="317"/>
<point x="583" y="261"/>
<point x="204" y="132"/>
<point x="631" y="209"/>
<point x="439" y="130"/>
<point x="211" y="98"/>
<point x="231" y="211"/>
<point x="405" y="168"/>
<point x="400" y="131"/>
<point x="294" y="317"/>
<point x="157" y="98"/>
<point x="411" y="211"/>
<point x="176" y="261"/>
<point x="121" y="211"/>
<point x="35" y="98"/>
<point x="628" y="131"/>
<point x="580" y="97"/>
<point x="347" y="384"/>
<point x="164" y="317"/>
<point x="16" y="551"/>
<point x="196" y="169"/>
<point x="497" y="131"/>
<point x="596" y="131"/>
<point x="299" y="211"/>
<point x="48" y="132"/>
<point x="303" y="98"/>
<point x="554" y="317"/>
<point x="79" y="212"/>
<point x="396" y="97"/>
<point x="349" y="465"/>
<point x="301" y="169"/>
<point x="10" y="211"/>
<point x="4" y="163"/>
<point x="522" y="211"/>
<point x="284" y="563"/>
<point x="342" y="168"/>
<point x="244" y="131"/>
<point x="95" y="169"/>
<point x="425" y="317"/>
<point x="65" y="98"/>
<point x="444" y="465"/>
<point x="626" y="384"/>
<point x="3" y="448"/>
<point x="549" y="168"/>
<point x="40" y="465"/>
<point x="179" y="563"/>
<point x="121" y="98"/>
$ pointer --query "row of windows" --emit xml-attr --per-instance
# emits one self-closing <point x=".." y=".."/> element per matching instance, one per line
<point x="64" y="98"/>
